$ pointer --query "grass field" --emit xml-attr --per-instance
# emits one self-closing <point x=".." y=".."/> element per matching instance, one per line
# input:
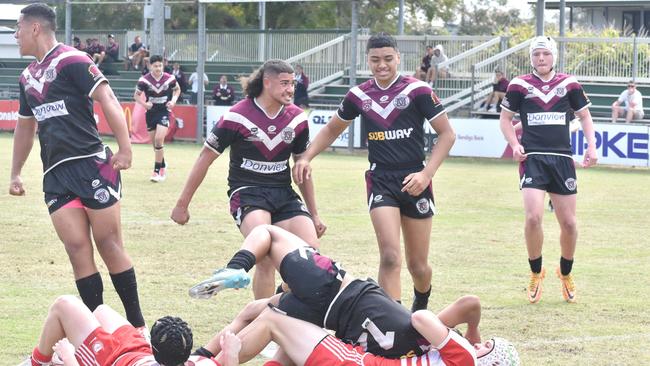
<point x="476" y="247"/>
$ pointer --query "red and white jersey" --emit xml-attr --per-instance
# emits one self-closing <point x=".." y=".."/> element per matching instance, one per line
<point x="454" y="351"/>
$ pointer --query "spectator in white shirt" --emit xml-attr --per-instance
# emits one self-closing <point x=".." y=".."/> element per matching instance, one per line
<point x="195" y="86"/>
<point x="633" y="108"/>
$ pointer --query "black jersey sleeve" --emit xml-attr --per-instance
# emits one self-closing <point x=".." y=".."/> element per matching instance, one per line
<point x="302" y="139"/>
<point x="348" y="111"/>
<point x="578" y="99"/>
<point x="141" y="86"/>
<point x="24" y="109"/>
<point x="223" y="134"/>
<point x="512" y="101"/>
<point x="429" y="105"/>
<point x="84" y="74"/>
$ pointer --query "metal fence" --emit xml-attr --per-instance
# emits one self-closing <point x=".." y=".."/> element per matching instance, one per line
<point x="326" y="62"/>
<point x="225" y="45"/>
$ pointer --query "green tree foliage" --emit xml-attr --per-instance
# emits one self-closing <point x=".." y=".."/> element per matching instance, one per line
<point x="488" y="17"/>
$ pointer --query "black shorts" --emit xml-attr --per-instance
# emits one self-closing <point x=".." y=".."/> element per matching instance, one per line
<point x="93" y="180"/>
<point x="384" y="188"/>
<point x="282" y="202"/>
<point x="550" y="173"/>
<point x="157" y="117"/>
<point x="314" y="281"/>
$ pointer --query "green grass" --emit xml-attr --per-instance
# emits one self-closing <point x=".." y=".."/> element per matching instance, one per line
<point x="476" y="247"/>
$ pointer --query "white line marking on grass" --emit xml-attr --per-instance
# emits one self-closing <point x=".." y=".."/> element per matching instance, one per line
<point x="584" y="339"/>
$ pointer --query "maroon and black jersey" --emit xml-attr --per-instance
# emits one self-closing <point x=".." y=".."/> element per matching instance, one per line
<point x="393" y="118"/>
<point x="260" y="145"/>
<point x="546" y="108"/>
<point x="159" y="91"/>
<point x="57" y="93"/>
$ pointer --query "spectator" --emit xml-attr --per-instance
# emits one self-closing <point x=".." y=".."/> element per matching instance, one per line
<point x="112" y="49"/>
<point x="181" y="79"/>
<point x="195" y="86"/>
<point x="97" y="51"/>
<point x="136" y="54"/>
<point x="499" y="86"/>
<point x="633" y="104"/>
<point x="300" y="96"/>
<point x="421" y="73"/>
<point x="76" y="43"/>
<point x="223" y="93"/>
<point x="437" y="58"/>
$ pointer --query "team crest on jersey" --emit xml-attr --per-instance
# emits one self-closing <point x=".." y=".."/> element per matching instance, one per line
<point x="401" y="101"/>
<point x="436" y="100"/>
<point x="97" y="347"/>
<point x="272" y="129"/>
<point x="366" y="104"/>
<point x="571" y="184"/>
<point x="50" y="74"/>
<point x="560" y="91"/>
<point x="101" y="195"/>
<point x="288" y="134"/>
<point x="93" y="70"/>
<point x="422" y="205"/>
<point x="383" y="99"/>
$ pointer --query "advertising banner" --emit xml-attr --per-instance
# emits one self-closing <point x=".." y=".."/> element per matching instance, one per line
<point x="319" y="118"/>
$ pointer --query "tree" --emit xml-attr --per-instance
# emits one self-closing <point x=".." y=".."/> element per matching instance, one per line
<point x="488" y="17"/>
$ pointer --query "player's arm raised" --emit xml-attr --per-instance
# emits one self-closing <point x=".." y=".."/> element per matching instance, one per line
<point x="324" y="138"/>
<point x="23" y="142"/>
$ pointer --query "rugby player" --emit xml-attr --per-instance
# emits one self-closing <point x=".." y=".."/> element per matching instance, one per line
<point x="393" y="111"/>
<point x="263" y="131"/>
<point x="161" y="91"/>
<point x="546" y="101"/>
<point x="81" y="178"/>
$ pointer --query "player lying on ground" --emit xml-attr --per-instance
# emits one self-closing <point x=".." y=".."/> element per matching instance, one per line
<point x="307" y="344"/>
<point x="323" y="294"/>
<point x="105" y="338"/>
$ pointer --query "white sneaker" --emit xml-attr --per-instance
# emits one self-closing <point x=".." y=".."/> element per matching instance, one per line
<point x="162" y="175"/>
<point x="155" y="177"/>
<point x="270" y="350"/>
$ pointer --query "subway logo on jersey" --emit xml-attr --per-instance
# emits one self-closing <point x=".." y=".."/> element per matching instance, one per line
<point x="402" y="133"/>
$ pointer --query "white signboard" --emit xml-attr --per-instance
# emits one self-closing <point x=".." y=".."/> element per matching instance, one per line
<point x="319" y="118"/>
<point x="213" y="114"/>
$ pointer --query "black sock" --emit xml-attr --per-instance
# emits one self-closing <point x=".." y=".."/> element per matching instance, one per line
<point x="157" y="166"/>
<point x="163" y="165"/>
<point x="565" y="266"/>
<point x="201" y="351"/>
<point x="91" y="290"/>
<point x="398" y="301"/>
<point x="242" y="259"/>
<point x="279" y="289"/>
<point x="420" y="300"/>
<point x="535" y="265"/>
<point x="127" y="288"/>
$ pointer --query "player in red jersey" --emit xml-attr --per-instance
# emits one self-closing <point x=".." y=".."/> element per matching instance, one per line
<point x="79" y="337"/>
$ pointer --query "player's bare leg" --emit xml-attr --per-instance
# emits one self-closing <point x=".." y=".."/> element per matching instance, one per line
<point x="565" y="212"/>
<point x="417" y="237"/>
<point x="465" y="310"/>
<point x="107" y="232"/>
<point x="386" y="222"/>
<point x="534" y="233"/>
<point x="264" y="277"/>
<point x="73" y="228"/>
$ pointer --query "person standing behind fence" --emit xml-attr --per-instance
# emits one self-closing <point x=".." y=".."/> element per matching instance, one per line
<point x="81" y="178"/>
<point x="546" y="101"/>
<point x="194" y="84"/>
<point x="633" y="108"/>
<point x="223" y="93"/>
<point x="263" y="131"/>
<point x="393" y="109"/>
<point x="301" y="98"/>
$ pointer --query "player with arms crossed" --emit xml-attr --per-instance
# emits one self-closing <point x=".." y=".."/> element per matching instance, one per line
<point x="263" y="131"/>
<point x="81" y="178"/>
<point x="393" y="109"/>
<point x="546" y="101"/>
<point x="161" y="93"/>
